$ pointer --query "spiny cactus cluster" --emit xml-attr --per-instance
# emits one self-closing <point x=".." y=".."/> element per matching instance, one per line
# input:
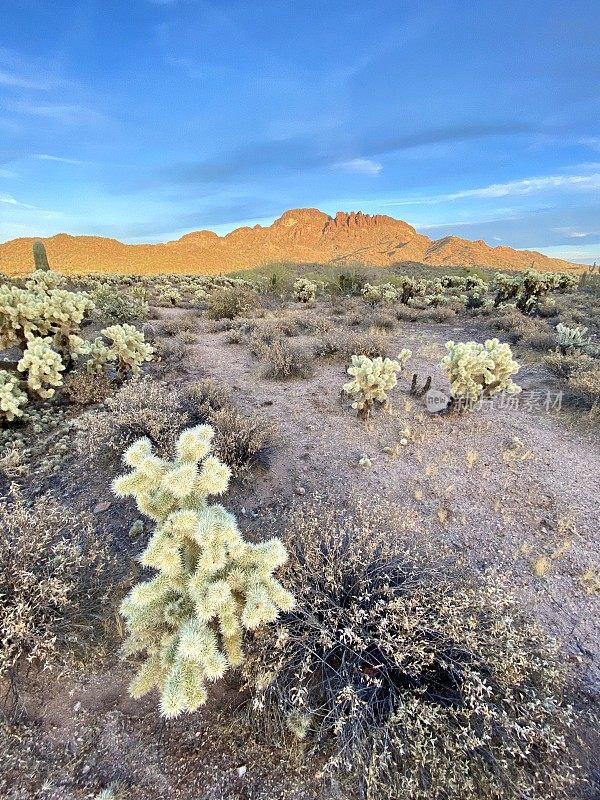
<point x="372" y="379"/>
<point x="480" y="370"/>
<point x="569" y="339"/>
<point x="305" y="291"/>
<point x="385" y="292"/>
<point x="528" y="290"/>
<point x="12" y="397"/>
<point x="211" y="583"/>
<point x="42" y="319"/>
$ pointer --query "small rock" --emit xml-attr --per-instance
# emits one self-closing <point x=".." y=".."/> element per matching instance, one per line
<point x="101" y="507"/>
<point x="77" y="707"/>
<point x="85" y="769"/>
<point x="300" y="491"/>
<point x="241" y="771"/>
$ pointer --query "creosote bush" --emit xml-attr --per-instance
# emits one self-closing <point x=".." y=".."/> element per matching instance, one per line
<point x="210" y="583"/>
<point x="410" y="677"/>
<point x="232" y="301"/>
<point x="56" y="581"/>
<point x="282" y="359"/>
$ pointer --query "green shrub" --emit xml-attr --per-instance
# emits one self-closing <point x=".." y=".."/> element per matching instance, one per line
<point x="211" y="583"/>
<point x="230" y="302"/>
<point x="409" y="677"/>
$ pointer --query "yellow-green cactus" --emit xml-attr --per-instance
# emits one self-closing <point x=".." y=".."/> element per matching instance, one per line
<point x="372" y="379"/>
<point x="43" y="366"/>
<point x="210" y="583"/>
<point x="12" y="398"/>
<point x="480" y="370"/>
<point x="128" y="348"/>
<point x="305" y="291"/>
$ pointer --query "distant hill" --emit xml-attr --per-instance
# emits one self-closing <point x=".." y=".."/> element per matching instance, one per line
<point x="303" y="235"/>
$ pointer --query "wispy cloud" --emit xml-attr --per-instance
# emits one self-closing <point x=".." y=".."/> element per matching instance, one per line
<point x="73" y="115"/>
<point x="591" y="141"/>
<point x="524" y="186"/>
<point x="17" y="82"/>
<point x="9" y="200"/>
<point x="60" y="159"/>
<point x="575" y="233"/>
<point x="360" y="166"/>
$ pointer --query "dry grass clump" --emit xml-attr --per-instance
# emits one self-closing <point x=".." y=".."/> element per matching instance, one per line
<point x="581" y="373"/>
<point x="242" y="442"/>
<point x="281" y="360"/>
<point x="412" y="679"/>
<point x="56" y="578"/>
<point x="87" y="388"/>
<point x="343" y="345"/>
<point x="230" y="302"/>
<point x="142" y="407"/>
<point x="186" y="323"/>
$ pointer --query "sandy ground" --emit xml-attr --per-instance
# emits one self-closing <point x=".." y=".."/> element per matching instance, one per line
<point x="530" y="511"/>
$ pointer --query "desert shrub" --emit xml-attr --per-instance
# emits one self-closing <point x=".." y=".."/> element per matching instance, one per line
<point x="372" y="379"/>
<point x="211" y="583"/>
<point x="118" y="305"/>
<point x="282" y="359"/>
<point x="87" y="388"/>
<point x="56" y="577"/>
<point x="241" y="442"/>
<point x="141" y="407"/>
<point x="383" y="321"/>
<point x="585" y="383"/>
<point x="409" y="677"/>
<point x="171" y="352"/>
<point x="537" y="340"/>
<point x="480" y="370"/>
<point x="441" y="313"/>
<point x="304" y="291"/>
<point x="406" y="313"/>
<point x="172" y="327"/>
<point x="564" y="364"/>
<point x="344" y="345"/>
<point x="230" y="302"/>
<point x="202" y="397"/>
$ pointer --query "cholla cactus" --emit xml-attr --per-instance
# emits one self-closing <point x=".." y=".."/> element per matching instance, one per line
<point x="127" y="347"/>
<point x="372" y="379"/>
<point x="12" y="398"/>
<point x="376" y="294"/>
<point x="480" y="370"/>
<point x="43" y="366"/>
<point x="305" y="291"/>
<point x="210" y="584"/>
<point x="569" y="339"/>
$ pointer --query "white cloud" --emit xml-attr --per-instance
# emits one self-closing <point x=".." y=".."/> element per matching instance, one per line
<point x="511" y="188"/>
<point x="591" y="141"/>
<point x="360" y="166"/>
<point x="574" y="233"/>
<point x="9" y="200"/>
<point x="47" y="157"/>
<point x="66" y="114"/>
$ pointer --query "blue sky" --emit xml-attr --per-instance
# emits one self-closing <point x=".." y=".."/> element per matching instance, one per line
<point x="145" y="119"/>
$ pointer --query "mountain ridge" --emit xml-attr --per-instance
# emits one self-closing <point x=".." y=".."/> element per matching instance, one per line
<point x="301" y="235"/>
